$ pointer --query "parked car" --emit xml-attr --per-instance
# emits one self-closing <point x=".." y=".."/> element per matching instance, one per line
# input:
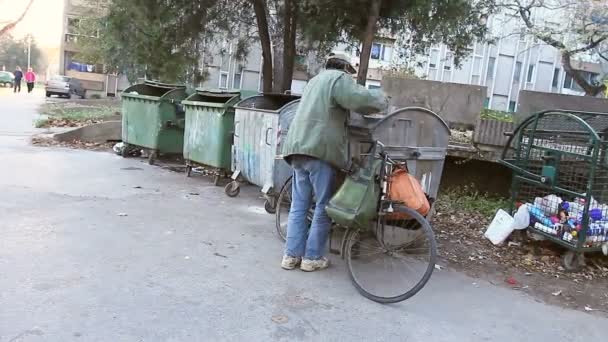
<point x="7" y="78"/>
<point x="64" y="86"/>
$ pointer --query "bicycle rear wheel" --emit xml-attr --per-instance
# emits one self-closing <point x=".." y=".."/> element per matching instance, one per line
<point x="282" y="210"/>
<point x="395" y="260"/>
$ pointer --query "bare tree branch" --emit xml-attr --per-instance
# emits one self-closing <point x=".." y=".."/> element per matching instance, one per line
<point x="547" y="36"/>
<point x="14" y="23"/>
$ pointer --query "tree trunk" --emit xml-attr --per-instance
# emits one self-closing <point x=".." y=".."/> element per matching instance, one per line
<point x="14" y="23"/>
<point x="367" y="40"/>
<point x="259" y="7"/>
<point x="277" y="62"/>
<point x="590" y="89"/>
<point x="289" y="43"/>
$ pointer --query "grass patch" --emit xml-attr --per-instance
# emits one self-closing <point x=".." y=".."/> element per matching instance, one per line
<point x="497" y="115"/>
<point x="70" y="114"/>
<point x="41" y="123"/>
<point x="469" y="199"/>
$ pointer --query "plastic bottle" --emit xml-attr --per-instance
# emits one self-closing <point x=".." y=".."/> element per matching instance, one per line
<point x="540" y="217"/>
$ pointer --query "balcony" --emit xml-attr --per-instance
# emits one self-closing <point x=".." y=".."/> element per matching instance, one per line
<point x="70" y="42"/>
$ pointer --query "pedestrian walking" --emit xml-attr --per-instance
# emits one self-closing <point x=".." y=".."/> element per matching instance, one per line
<point x="18" y="76"/>
<point x="316" y="147"/>
<point x="30" y="79"/>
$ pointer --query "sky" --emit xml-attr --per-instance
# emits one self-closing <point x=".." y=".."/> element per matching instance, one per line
<point x="43" y="20"/>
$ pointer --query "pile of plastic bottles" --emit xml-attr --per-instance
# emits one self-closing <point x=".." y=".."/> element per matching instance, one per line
<point x="552" y="215"/>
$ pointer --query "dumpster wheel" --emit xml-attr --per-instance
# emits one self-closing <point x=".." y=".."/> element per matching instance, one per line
<point x="152" y="157"/>
<point x="270" y="207"/>
<point x="125" y="150"/>
<point x="216" y="179"/>
<point x="232" y="189"/>
<point x="573" y="261"/>
<point x="188" y="170"/>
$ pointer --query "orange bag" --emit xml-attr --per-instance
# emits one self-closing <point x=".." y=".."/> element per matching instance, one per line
<point x="406" y="189"/>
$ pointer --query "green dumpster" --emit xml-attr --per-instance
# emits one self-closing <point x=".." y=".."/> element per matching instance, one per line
<point x="153" y="119"/>
<point x="209" y="130"/>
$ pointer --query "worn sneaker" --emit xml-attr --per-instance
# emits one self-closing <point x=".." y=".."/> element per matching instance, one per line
<point x="314" y="265"/>
<point x="289" y="262"/>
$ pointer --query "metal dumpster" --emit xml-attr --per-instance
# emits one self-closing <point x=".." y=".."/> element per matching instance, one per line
<point x="282" y="171"/>
<point x="255" y="140"/>
<point x="209" y="129"/>
<point x="414" y="134"/>
<point x="152" y="118"/>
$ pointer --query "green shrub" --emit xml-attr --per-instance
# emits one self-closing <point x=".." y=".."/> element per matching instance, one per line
<point x="469" y="199"/>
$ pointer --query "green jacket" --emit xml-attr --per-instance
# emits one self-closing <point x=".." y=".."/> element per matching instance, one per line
<point x="319" y="128"/>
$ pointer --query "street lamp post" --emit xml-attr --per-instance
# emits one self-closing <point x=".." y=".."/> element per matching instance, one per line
<point x="29" y="50"/>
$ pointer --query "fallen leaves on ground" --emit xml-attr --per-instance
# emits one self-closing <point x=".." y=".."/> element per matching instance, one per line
<point x="47" y="141"/>
<point x="524" y="264"/>
<point x="63" y="122"/>
<point x="460" y="235"/>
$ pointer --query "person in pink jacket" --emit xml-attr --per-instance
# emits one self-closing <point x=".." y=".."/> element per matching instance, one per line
<point x="30" y="79"/>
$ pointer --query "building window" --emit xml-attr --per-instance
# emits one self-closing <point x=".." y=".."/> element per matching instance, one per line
<point x="568" y="81"/>
<point x="449" y="57"/>
<point x="491" y="64"/>
<point x="476" y="72"/>
<point x="387" y="53"/>
<point x="73" y="25"/>
<point x="555" y="78"/>
<point x="434" y="59"/>
<point x="512" y="105"/>
<point x="223" y="80"/>
<point x="530" y="73"/>
<point x="376" y="51"/>
<point x="486" y="103"/>
<point x="517" y="75"/>
<point x="236" y="82"/>
<point x="381" y="52"/>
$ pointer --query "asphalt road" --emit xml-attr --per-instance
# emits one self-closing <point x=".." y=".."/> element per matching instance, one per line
<point x="94" y="247"/>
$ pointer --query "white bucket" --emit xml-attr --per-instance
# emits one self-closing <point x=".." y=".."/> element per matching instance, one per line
<point x="500" y="228"/>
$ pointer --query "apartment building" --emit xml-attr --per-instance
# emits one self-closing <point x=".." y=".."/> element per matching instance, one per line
<point x="92" y="76"/>
<point x="512" y="63"/>
<point x="223" y="69"/>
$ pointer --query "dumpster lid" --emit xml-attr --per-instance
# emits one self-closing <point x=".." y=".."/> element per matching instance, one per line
<point x="271" y="102"/>
<point x="218" y="92"/>
<point x="284" y="97"/>
<point x="158" y="84"/>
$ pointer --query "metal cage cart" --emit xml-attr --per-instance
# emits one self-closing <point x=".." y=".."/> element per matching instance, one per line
<point x="256" y="126"/>
<point x="560" y="167"/>
<point x="152" y="118"/>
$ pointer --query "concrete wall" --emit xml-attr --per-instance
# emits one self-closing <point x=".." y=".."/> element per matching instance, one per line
<point x="458" y="104"/>
<point x="532" y="102"/>
<point x="486" y="177"/>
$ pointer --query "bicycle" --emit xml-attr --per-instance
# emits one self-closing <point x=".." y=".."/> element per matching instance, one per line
<point x="389" y="242"/>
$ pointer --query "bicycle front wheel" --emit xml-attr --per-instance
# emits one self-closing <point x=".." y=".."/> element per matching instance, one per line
<point x="394" y="261"/>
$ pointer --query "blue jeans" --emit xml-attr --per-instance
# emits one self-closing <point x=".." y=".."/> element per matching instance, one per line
<point x="310" y="176"/>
